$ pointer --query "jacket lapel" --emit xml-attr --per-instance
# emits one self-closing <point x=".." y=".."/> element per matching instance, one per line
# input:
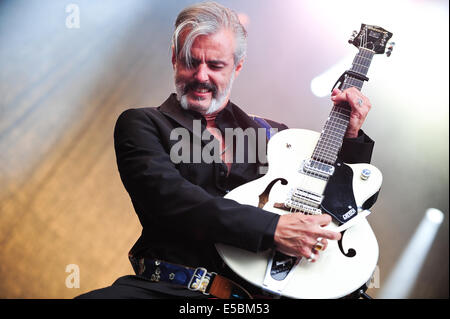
<point x="172" y="109"/>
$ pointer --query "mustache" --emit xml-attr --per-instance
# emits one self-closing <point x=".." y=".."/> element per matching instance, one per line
<point x="195" y="85"/>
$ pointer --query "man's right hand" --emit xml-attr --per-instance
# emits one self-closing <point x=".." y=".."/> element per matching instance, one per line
<point x="297" y="234"/>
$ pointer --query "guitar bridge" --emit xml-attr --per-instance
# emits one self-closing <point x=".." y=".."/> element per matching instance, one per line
<point x="300" y="200"/>
<point x="297" y="206"/>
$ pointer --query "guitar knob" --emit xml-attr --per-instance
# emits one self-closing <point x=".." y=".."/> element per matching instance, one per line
<point x="365" y="174"/>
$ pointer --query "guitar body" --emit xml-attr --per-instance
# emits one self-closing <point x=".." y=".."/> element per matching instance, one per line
<point x="336" y="273"/>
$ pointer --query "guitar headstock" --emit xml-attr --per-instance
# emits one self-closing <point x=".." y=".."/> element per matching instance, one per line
<point x="372" y="38"/>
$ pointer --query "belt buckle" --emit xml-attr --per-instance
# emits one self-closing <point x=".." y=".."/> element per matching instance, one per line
<point x="199" y="281"/>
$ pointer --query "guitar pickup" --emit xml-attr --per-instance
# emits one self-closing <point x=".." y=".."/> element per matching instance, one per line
<point x="317" y="169"/>
<point x="306" y="197"/>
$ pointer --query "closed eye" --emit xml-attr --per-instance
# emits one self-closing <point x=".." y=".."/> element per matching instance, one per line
<point x="216" y="66"/>
<point x="213" y="64"/>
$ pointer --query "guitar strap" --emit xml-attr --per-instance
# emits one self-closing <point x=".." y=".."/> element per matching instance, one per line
<point x="194" y="279"/>
<point x="269" y="130"/>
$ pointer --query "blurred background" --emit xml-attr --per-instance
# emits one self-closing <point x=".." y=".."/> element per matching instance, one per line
<point x="69" y="68"/>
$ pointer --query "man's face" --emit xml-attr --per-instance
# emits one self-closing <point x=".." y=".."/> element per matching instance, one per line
<point x="206" y="86"/>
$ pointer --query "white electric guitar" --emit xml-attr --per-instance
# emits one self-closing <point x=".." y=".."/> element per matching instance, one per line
<point x="305" y="176"/>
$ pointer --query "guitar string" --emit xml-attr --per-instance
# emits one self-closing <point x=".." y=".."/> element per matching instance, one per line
<point x="333" y="120"/>
<point x="333" y="124"/>
<point x="360" y="67"/>
<point x="320" y="152"/>
<point x="334" y="129"/>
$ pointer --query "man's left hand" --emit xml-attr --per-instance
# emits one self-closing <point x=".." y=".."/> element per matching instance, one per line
<point x="360" y="107"/>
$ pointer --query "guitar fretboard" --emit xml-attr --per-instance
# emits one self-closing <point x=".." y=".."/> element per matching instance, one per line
<point x="332" y="136"/>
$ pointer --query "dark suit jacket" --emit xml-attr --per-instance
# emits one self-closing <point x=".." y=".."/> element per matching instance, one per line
<point x="181" y="206"/>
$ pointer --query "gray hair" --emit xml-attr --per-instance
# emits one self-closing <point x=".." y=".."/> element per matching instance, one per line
<point x="207" y="18"/>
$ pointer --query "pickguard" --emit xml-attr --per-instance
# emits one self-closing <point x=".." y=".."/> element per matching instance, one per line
<point x="339" y="201"/>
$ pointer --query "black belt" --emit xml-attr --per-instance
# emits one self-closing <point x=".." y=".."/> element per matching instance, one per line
<point x="194" y="279"/>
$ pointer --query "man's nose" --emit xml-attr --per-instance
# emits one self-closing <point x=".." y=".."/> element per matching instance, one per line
<point x="201" y="73"/>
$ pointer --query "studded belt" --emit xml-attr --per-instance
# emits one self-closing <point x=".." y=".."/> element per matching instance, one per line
<point x="194" y="279"/>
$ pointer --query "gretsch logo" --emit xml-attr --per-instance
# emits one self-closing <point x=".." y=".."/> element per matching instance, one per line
<point x="349" y="214"/>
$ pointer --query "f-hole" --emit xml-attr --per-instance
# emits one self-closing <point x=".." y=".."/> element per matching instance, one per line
<point x="351" y="252"/>
<point x="264" y="197"/>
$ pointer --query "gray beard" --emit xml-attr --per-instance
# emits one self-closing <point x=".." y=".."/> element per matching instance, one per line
<point x="216" y="102"/>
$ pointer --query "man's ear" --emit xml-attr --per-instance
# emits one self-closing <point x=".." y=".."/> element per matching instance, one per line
<point x="174" y="58"/>
<point x="239" y="67"/>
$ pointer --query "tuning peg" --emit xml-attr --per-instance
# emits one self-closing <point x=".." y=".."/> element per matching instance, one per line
<point x="390" y="48"/>
<point x="353" y="36"/>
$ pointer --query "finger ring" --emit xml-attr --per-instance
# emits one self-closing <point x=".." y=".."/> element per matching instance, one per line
<point x="311" y="257"/>
<point x="318" y="246"/>
<point x="360" y="102"/>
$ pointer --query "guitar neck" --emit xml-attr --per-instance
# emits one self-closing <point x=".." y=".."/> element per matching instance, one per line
<point x="332" y="136"/>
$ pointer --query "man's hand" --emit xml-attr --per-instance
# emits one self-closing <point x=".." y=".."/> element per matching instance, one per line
<point x="359" y="104"/>
<point x="297" y="234"/>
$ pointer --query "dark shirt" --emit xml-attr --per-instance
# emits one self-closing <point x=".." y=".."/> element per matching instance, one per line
<point x="181" y="205"/>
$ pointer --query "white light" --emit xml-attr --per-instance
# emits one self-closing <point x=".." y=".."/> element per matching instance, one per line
<point x="404" y="275"/>
<point x="435" y="215"/>
<point x="412" y="41"/>
<point x="321" y="85"/>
